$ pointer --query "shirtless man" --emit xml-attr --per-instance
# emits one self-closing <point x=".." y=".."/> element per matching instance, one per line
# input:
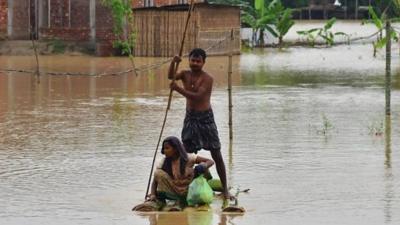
<point x="199" y="128"/>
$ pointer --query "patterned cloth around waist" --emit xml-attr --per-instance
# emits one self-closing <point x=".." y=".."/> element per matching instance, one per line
<point x="200" y="116"/>
<point x="200" y="131"/>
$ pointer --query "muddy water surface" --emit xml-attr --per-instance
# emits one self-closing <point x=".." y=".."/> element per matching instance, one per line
<point x="309" y="139"/>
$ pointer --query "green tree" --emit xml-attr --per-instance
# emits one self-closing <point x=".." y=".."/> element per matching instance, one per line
<point x="122" y="15"/>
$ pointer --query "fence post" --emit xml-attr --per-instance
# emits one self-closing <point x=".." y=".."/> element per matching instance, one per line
<point x="388" y="64"/>
<point x="230" y="87"/>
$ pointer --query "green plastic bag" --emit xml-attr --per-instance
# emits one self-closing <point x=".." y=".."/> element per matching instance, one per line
<point x="200" y="192"/>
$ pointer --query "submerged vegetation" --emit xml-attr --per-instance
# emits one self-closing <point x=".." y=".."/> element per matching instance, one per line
<point x="275" y="17"/>
<point x="324" y="33"/>
<point x="326" y="125"/>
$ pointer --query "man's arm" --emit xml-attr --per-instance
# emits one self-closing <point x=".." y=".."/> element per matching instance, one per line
<point x="203" y="165"/>
<point x="202" y="91"/>
<point x="172" y="67"/>
<point x="204" y="161"/>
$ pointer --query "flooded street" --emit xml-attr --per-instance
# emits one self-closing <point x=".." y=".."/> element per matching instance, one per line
<point x="309" y="139"/>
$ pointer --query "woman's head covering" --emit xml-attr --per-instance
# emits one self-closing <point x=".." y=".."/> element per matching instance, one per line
<point x="183" y="156"/>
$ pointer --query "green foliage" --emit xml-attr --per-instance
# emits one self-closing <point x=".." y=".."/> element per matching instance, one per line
<point x="122" y="13"/>
<point x="325" y="33"/>
<point x="258" y="21"/>
<point x="379" y="24"/>
<point x="284" y="23"/>
<point x="326" y="125"/>
<point x="58" y="46"/>
<point x="259" y="5"/>
<point x="396" y="7"/>
<point x="392" y="7"/>
<point x="120" y="9"/>
<point x="281" y="20"/>
<point x="274" y="18"/>
<point x="377" y="21"/>
<point x="310" y="35"/>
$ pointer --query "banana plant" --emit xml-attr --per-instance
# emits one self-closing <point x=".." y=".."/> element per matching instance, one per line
<point x="310" y="35"/>
<point x="379" y="24"/>
<point x="282" y="20"/>
<point x="257" y="18"/>
<point x="274" y="18"/>
<point x="324" y="33"/>
<point x="284" y="23"/>
<point x="396" y="7"/>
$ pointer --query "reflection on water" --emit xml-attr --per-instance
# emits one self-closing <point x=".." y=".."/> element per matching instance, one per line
<point x="389" y="186"/>
<point x="190" y="217"/>
<point x="77" y="149"/>
<point x="181" y="218"/>
<point x="388" y="141"/>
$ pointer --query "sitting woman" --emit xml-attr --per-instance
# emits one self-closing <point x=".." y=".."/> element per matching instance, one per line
<point x="175" y="172"/>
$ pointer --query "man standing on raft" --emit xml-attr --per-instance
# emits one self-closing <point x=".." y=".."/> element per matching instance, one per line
<point x="199" y="128"/>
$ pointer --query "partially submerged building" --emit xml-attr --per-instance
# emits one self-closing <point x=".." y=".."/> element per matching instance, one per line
<point x="159" y="24"/>
<point x="69" y="20"/>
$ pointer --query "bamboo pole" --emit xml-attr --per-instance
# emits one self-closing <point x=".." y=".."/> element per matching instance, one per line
<point x="388" y="70"/>
<point x="170" y="95"/>
<point x="230" y="88"/>
<point x="33" y="35"/>
<point x="37" y="72"/>
<point x="128" y="31"/>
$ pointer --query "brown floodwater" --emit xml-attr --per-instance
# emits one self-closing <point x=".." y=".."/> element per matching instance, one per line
<point x="311" y="140"/>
